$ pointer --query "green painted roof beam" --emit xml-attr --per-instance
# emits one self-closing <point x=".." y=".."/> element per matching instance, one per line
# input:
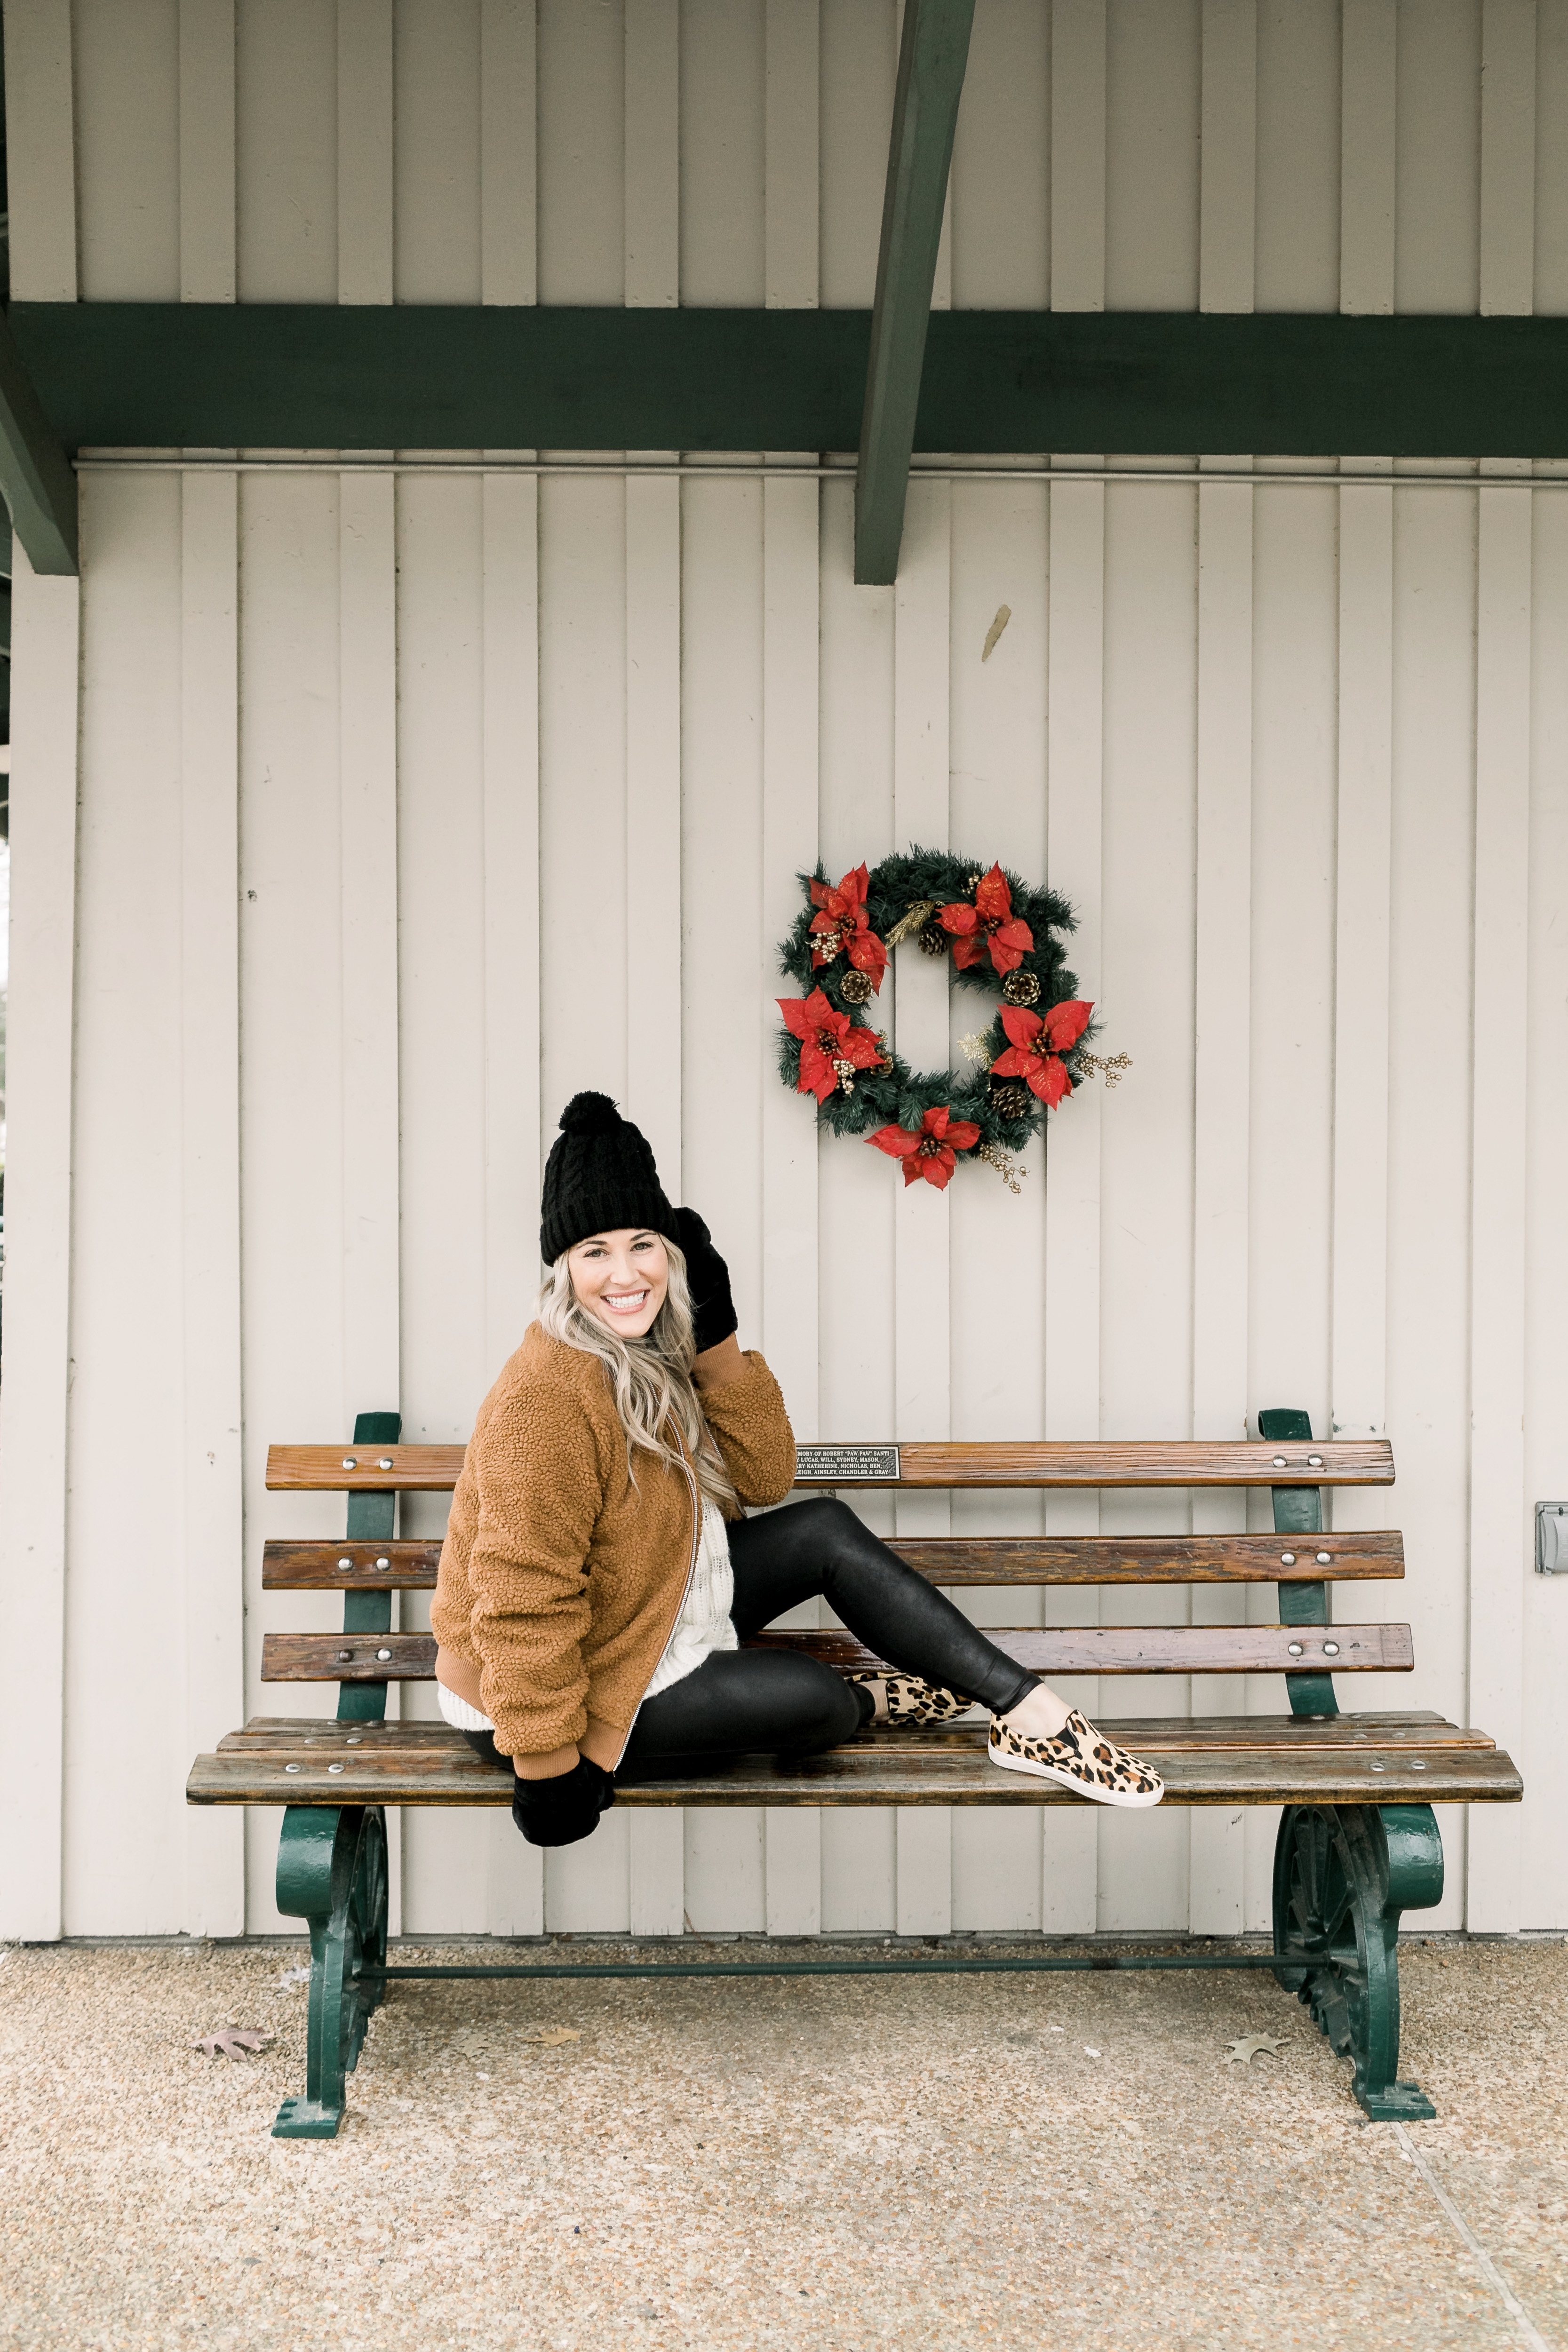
<point x="35" y="475"/>
<point x="410" y="376"/>
<point x="932" y="54"/>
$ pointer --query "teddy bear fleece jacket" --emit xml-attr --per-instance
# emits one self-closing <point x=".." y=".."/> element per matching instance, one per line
<point x="560" y="1580"/>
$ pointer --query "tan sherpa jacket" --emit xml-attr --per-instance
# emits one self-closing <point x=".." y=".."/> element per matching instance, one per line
<point x="560" y="1581"/>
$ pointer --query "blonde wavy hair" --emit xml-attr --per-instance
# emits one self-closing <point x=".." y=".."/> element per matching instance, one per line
<point x="650" y="1378"/>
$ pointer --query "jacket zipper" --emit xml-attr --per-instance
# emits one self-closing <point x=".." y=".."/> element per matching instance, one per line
<point x="685" y="1590"/>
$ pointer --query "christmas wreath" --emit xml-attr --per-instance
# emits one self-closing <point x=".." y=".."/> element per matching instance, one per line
<point x="1000" y="934"/>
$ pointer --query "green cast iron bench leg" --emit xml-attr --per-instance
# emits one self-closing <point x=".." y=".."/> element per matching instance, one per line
<point x="331" y="1862"/>
<point x="331" y="1872"/>
<point x="1343" y="1873"/>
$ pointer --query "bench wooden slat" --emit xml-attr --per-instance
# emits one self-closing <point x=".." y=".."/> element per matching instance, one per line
<point x="1362" y="1462"/>
<point x="1416" y="1727"/>
<point x="1158" y="1649"/>
<point x="324" y="1567"/>
<point x="872" y="1772"/>
<point x="1053" y="1649"/>
<point x="1152" y="1559"/>
<point x="351" y="1566"/>
<point x="1158" y="1462"/>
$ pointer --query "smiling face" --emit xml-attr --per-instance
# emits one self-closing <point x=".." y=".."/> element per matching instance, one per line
<point x="622" y="1277"/>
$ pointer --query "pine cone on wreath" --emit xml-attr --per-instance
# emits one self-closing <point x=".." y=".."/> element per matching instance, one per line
<point x="855" y="988"/>
<point x="1021" y="988"/>
<point x="1008" y="1098"/>
<point x="934" y="940"/>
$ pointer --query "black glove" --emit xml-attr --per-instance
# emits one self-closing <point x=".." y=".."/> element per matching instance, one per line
<point x="713" y="1316"/>
<point x="566" y="1807"/>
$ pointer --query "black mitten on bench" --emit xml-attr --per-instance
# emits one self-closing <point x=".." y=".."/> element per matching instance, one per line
<point x="713" y="1316"/>
<point x="560" y="1811"/>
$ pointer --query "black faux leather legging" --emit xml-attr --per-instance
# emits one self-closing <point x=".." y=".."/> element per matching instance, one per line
<point x="778" y="1701"/>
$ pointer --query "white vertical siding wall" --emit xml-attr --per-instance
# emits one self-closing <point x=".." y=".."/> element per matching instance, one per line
<point x="355" y="754"/>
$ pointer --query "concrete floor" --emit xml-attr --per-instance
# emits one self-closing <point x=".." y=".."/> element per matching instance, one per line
<point x="829" y="2163"/>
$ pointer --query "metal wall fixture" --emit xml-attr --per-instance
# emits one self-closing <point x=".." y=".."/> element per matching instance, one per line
<point x="1552" y="1539"/>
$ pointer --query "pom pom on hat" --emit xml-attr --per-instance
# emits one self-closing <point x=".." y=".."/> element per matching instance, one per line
<point x="590" y="1115"/>
<point x="600" y="1178"/>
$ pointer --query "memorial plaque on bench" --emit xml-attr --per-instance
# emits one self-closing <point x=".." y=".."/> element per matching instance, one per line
<point x="847" y="1466"/>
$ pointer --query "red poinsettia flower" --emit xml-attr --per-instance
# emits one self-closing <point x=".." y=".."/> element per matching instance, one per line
<point x="841" y="925"/>
<point x="1035" y="1053"/>
<point x="827" y="1040"/>
<point x="989" y="923"/>
<point x="931" y="1151"/>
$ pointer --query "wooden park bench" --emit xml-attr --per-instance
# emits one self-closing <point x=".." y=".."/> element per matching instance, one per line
<point x="1358" y="1841"/>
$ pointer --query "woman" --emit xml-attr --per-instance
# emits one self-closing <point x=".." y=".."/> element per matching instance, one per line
<point x="599" y="1575"/>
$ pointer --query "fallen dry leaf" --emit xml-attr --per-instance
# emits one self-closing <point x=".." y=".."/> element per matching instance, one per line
<point x="1270" y="2045"/>
<point x="551" y="2037"/>
<point x="1004" y="614"/>
<point x="232" y="2042"/>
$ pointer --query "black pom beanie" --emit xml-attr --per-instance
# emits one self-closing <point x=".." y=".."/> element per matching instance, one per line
<point x="599" y="1176"/>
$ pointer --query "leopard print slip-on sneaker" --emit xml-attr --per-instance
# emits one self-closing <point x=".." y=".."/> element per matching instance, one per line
<point x="1081" y="1759"/>
<point x="912" y="1701"/>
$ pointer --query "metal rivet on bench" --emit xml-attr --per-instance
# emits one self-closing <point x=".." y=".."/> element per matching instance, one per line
<point x="1295" y="1648"/>
<point x="349" y="1462"/>
<point x="344" y="1657"/>
<point x="345" y="1561"/>
<point x="290" y="1768"/>
<point x="355" y="1742"/>
<point x="1330" y="1649"/>
<point x="386" y="1462"/>
<point x="1378" y="1765"/>
<point x="1417" y="1764"/>
<point x="1278" y="1462"/>
<point x="334" y="1767"/>
<point x="1287" y="1560"/>
<point x="386" y="1563"/>
<point x="384" y="1654"/>
<point x="1324" y="1557"/>
<point x="1314" y="1462"/>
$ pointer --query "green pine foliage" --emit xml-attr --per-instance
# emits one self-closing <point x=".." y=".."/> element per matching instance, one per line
<point x="901" y="1097"/>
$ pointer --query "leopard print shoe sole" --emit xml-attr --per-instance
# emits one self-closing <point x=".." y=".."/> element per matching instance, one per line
<point x="1081" y="1759"/>
<point x="912" y="1701"/>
